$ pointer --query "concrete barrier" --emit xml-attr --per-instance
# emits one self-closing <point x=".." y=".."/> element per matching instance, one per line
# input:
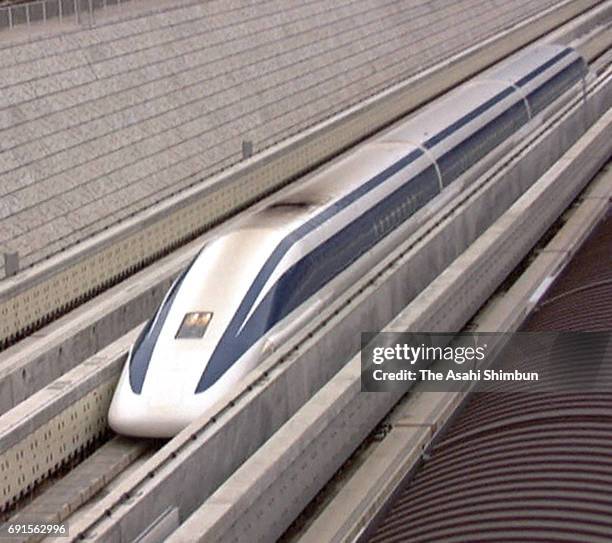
<point x="261" y="499"/>
<point x="52" y="426"/>
<point x="273" y="393"/>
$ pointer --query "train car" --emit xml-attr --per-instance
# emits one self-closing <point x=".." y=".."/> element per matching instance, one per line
<point x="259" y="282"/>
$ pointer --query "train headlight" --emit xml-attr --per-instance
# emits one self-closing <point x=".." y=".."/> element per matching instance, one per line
<point x="194" y="325"/>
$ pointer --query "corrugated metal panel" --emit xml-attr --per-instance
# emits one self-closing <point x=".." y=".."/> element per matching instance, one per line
<point x="524" y="466"/>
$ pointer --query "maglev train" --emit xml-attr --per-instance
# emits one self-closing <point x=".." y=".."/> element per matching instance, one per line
<point x="262" y="280"/>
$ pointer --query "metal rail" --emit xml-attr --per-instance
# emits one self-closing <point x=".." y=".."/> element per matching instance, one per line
<point x="23" y="14"/>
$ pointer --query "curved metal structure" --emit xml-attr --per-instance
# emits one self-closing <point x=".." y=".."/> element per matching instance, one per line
<point x="533" y="465"/>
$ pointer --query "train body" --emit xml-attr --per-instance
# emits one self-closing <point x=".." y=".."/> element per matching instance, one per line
<point x="259" y="282"/>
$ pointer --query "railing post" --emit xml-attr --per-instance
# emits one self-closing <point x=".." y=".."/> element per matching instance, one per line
<point x="76" y="11"/>
<point x="11" y="264"/>
<point x="28" y="14"/>
<point x="44" y="6"/>
<point x="59" y="9"/>
<point x="10" y="13"/>
<point x="247" y="148"/>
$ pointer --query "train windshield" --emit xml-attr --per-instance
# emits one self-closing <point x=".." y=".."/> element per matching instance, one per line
<point x="194" y="325"/>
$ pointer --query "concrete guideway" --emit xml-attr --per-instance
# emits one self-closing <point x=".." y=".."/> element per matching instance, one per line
<point x="41" y="293"/>
<point x="160" y="487"/>
<point x="418" y="417"/>
<point x="45" y="356"/>
<point x="294" y="464"/>
<point x="42" y="433"/>
<point x="62" y="499"/>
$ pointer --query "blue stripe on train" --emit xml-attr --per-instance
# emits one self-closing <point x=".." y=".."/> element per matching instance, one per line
<point x="284" y="297"/>
<point x="215" y="368"/>
<point x="307" y="276"/>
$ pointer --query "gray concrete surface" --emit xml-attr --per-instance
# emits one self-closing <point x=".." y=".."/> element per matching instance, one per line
<point x="50" y="427"/>
<point x="56" y="503"/>
<point x="99" y="123"/>
<point x="260" y="500"/>
<point x="275" y="391"/>
<point x="419" y="416"/>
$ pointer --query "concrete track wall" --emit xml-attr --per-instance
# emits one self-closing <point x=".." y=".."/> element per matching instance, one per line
<point x="97" y="124"/>
<point x="272" y="487"/>
<point x="275" y="390"/>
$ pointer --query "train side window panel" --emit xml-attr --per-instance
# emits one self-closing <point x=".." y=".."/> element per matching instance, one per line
<point x="194" y="325"/>
<point x="307" y="276"/>
<point x="548" y="92"/>
<point x="423" y="188"/>
<point x="461" y="157"/>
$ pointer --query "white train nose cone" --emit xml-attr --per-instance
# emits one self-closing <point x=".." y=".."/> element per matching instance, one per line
<point x="140" y="420"/>
<point x="156" y="412"/>
<point x="163" y="408"/>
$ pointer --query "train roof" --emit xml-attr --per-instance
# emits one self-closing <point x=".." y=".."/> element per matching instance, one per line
<point x="516" y="66"/>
